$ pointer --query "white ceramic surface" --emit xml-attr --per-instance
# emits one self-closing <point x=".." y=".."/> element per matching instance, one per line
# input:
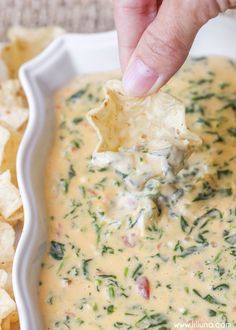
<point x="67" y="57"/>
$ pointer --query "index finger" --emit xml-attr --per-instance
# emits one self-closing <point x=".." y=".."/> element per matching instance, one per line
<point x="132" y="18"/>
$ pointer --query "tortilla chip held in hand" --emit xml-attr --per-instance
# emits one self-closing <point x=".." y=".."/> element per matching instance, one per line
<point x="141" y="135"/>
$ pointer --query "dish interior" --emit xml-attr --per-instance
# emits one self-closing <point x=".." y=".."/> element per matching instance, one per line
<point x="141" y="257"/>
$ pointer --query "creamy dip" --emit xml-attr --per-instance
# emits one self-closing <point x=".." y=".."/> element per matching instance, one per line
<point x="103" y="274"/>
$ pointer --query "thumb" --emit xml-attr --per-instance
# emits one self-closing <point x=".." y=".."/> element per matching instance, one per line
<point x="165" y="44"/>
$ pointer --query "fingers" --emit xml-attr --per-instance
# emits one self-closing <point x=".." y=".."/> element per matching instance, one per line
<point x="165" y="44"/>
<point x="226" y="4"/>
<point x="132" y="18"/>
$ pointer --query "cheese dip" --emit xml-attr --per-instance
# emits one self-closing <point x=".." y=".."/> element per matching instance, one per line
<point x="103" y="274"/>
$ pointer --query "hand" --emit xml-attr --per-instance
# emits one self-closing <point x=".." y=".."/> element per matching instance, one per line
<point x="155" y="37"/>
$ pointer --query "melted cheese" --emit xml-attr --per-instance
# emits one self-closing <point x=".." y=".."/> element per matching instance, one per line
<point x="99" y="272"/>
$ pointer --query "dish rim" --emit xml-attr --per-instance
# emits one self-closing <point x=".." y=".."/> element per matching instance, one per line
<point x="88" y="41"/>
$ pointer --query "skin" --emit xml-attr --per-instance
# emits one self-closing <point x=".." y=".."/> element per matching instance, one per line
<point x="155" y="37"/>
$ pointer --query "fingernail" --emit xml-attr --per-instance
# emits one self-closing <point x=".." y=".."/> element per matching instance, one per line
<point x="139" y="79"/>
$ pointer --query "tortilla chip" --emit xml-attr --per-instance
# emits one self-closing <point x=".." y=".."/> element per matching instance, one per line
<point x="6" y="281"/>
<point x="13" y="116"/>
<point x="3" y="278"/>
<point x="15" y="219"/>
<point x="10" y="200"/>
<point x="5" y="177"/>
<point x="13" y="104"/>
<point x="6" y="324"/>
<point x="4" y="137"/>
<point x="154" y="123"/>
<point x="12" y="94"/>
<point x="7" y="239"/>
<point x="11" y="322"/>
<point x="26" y="44"/>
<point x="7" y="267"/>
<point x="7" y="304"/>
<point x="140" y="137"/>
<point x="3" y="71"/>
<point x="11" y="148"/>
<point x="14" y="317"/>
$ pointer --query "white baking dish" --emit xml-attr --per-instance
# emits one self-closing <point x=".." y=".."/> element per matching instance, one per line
<point x="67" y="57"/>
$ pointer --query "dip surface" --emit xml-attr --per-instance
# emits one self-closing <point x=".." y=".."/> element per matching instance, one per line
<point x="99" y="274"/>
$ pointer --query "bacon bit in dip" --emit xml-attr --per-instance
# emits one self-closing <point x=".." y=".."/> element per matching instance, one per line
<point x="129" y="240"/>
<point x="143" y="286"/>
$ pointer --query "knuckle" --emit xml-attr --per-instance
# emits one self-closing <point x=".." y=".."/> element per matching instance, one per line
<point x="209" y="9"/>
<point x="159" y="48"/>
<point x="225" y="4"/>
<point x="138" y="7"/>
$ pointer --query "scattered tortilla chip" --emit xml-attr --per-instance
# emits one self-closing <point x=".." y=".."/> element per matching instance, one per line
<point x="140" y="137"/>
<point x="12" y="94"/>
<point x="3" y="71"/>
<point x="6" y="324"/>
<point x="7" y="239"/>
<point x="13" y="104"/>
<point x="5" y="176"/>
<point x="14" y="116"/>
<point x="26" y="44"/>
<point x="7" y="304"/>
<point x="11" y="322"/>
<point x="6" y="281"/>
<point x="10" y="200"/>
<point x="13" y="317"/>
<point x="7" y="267"/>
<point x="11" y="148"/>
<point x="15" y="220"/>
<point x="4" y="137"/>
<point x="3" y="278"/>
